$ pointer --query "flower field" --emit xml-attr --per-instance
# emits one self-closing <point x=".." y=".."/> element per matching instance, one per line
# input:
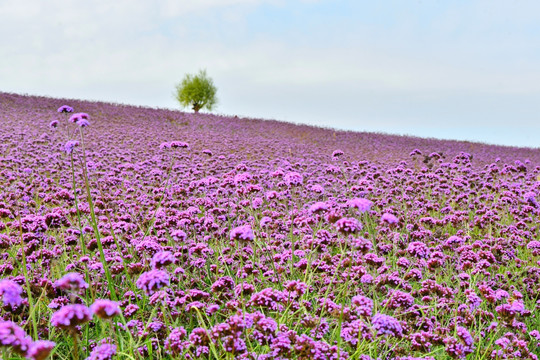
<point x="138" y="233"/>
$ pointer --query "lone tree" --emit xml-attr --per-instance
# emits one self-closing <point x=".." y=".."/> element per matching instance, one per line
<point x="197" y="91"/>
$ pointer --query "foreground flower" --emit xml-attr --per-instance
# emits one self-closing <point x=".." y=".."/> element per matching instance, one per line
<point x="103" y="352"/>
<point x="348" y="225"/>
<point x="389" y="219"/>
<point x="105" y="309"/>
<point x="242" y="233"/>
<point x="70" y="316"/>
<point x="387" y="325"/>
<point x="77" y="117"/>
<point x="70" y="145"/>
<point x="65" y="108"/>
<point x="14" y="337"/>
<point x="71" y="282"/>
<point x="361" y="204"/>
<point x="153" y="280"/>
<point x="10" y="292"/>
<point x="39" y="350"/>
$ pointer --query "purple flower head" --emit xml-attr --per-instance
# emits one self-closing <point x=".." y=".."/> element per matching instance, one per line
<point x="242" y="233"/>
<point x="71" y="282"/>
<point x="162" y="259"/>
<point x="317" y="207"/>
<point x="103" y="352"/>
<point x="105" y="309"/>
<point x="14" y="336"/>
<point x="386" y="325"/>
<point x="83" y="123"/>
<point x="152" y="280"/>
<point x="65" y="109"/>
<point x="39" y="350"/>
<point x="361" y="204"/>
<point x="77" y="117"/>
<point x="348" y="225"/>
<point x="265" y="221"/>
<point x="53" y="124"/>
<point x="175" y="344"/>
<point x="70" y="316"/>
<point x="70" y="145"/>
<point x="293" y="178"/>
<point x="337" y="153"/>
<point x="418" y="249"/>
<point x="363" y="305"/>
<point x="178" y="144"/>
<point x="389" y="219"/>
<point x="11" y="292"/>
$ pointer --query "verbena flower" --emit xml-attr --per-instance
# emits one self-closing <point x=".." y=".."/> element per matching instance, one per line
<point x="152" y="280"/>
<point x="70" y="145"/>
<point x="361" y="204"/>
<point x="105" y="309"/>
<point x="103" y="352"/>
<point x="243" y="232"/>
<point x="40" y="350"/>
<point x="11" y="292"/>
<point x="71" y="282"/>
<point x="70" y="316"/>
<point x="389" y="219"/>
<point x="386" y="325"/>
<point x="14" y="337"/>
<point x="65" y="108"/>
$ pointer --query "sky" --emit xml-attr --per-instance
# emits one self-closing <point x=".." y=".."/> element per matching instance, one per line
<point x="466" y="70"/>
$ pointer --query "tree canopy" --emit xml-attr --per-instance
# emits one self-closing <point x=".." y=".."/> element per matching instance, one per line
<point x="197" y="91"/>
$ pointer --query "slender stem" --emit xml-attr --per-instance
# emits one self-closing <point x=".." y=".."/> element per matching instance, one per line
<point x="94" y="222"/>
<point x="75" y="345"/>
<point x="27" y="281"/>
<point x="83" y="245"/>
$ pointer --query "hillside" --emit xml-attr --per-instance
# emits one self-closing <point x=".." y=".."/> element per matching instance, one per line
<point x="156" y="234"/>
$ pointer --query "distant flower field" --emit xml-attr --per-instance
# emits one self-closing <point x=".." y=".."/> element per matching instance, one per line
<point x="138" y="233"/>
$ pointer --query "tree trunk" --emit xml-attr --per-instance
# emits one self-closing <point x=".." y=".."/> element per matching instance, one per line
<point x="196" y="107"/>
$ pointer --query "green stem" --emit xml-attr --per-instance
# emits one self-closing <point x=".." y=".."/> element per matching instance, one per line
<point x="27" y="282"/>
<point x="110" y="285"/>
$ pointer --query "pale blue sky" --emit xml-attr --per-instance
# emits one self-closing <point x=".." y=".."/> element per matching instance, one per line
<point x="447" y="69"/>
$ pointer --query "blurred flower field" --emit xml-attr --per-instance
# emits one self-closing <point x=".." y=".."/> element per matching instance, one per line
<point x="138" y="233"/>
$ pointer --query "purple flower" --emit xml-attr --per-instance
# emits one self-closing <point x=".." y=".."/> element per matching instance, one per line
<point x="386" y="325"/>
<point x="361" y="204"/>
<point x="337" y="153"/>
<point x="70" y="316"/>
<point x="178" y="144"/>
<point x="242" y="233"/>
<point x="103" y="352"/>
<point x="77" y="117"/>
<point x="363" y="305"/>
<point x="152" y="280"/>
<point x="13" y="336"/>
<point x="65" y="108"/>
<point x="39" y="350"/>
<point x="105" y="309"/>
<point x="83" y="123"/>
<point x="53" y="124"/>
<point x="348" y="225"/>
<point x="11" y="292"/>
<point x="389" y="219"/>
<point x="293" y="178"/>
<point x="71" y="282"/>
<point x="162" y="259"/>
<point x="175" y="344"/>
<point x="418" y="249"/>
<point x="70" y="145"/>
<point x="317" y="207"/>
